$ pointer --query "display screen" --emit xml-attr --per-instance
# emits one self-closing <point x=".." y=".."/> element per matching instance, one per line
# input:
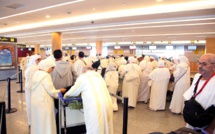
<point x="152" y="47"/>
<point x="191" y="47"/>
<point x="169" y="47"/>
<point x="88" y="47"/>
<point x="66" y="48"/>
<point x="74" y="48"/>
<point x="132" y="47"/>
<point x="116" y="47"/>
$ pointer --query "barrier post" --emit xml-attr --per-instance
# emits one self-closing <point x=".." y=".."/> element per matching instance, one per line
<point x="21" y="89"/>
<point x="9" y="110"/>
<point x="3" y="128"/>
<point x="19" y="76"/>
<point x="125" y="115"/>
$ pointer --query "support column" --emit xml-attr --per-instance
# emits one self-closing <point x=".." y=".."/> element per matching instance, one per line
<point x="56" y="41"/>
<point x="210" y="45"/>
<point x="99" y="47"/>
<point x="36" y="49"/>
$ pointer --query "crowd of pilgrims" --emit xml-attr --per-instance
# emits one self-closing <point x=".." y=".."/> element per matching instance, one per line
<point x="142" y="79"/>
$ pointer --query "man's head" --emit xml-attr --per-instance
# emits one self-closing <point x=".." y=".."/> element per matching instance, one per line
<point x="206" y="64"/>
<point x="57" y="54"/>
<point x="81" y="54"/>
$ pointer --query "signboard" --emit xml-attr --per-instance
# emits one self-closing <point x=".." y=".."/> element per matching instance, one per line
<point x="8" y="39"/>
<point x="21" y="46"/>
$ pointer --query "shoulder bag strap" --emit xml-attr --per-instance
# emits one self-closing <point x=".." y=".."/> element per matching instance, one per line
<point x="83" y="61"/>
<point x="182" y="75"/>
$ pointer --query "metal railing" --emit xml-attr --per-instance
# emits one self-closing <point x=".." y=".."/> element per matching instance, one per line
<point x="9" y="109"/>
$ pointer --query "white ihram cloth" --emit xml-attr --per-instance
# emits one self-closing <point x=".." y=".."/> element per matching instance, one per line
<point x="29" y="72"/>
<point x="206" y="98"/>
<point x="144" y="89"/>
<point x="98" y="112"/>
<point x="177" y="102"/>
<point x="42" y="103"/>
<point x="160" y="79"/>
<point x="79" y="65"/>
<point x="112" y="82"/>
<point x="130" y="88"/>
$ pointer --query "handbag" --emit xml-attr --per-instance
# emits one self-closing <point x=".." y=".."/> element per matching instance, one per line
<point x="194" y="114"/>
<point x="77" y="105"/>
<point x="184" y="130"/>
<point x="130" y="76"/>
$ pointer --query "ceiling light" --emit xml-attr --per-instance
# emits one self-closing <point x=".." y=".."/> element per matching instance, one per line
<point x="159" y="0"/>
<point x="47" y="16"/>
<point x="40" y="9"/>
<point x="94" y="9"/>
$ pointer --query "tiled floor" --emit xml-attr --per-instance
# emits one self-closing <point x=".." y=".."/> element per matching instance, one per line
<point x="140" y="119"/>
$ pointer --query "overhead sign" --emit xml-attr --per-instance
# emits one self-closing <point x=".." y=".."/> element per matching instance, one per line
<point x="7" y="39"/>
<point x="21" y="46"/>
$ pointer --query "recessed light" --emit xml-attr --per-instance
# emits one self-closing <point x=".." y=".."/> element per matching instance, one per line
<point x="47" y="16"/>
<point x="159" y="0"/>
<point x="94" y="9"/>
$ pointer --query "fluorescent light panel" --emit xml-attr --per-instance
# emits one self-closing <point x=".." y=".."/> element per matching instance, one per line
<point x="197" y="5"/>
<point x="40" y="9"/>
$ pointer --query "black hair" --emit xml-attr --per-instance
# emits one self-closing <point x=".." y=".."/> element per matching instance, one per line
<point x="72" y="57"/>
<point x="57" y="54"/>
<point x="81" y="54"/>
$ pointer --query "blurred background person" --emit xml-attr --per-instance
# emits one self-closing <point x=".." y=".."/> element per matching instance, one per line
<point x="31" y="69"/>
<point x="130" y="88"/>
<point x="182" y="76"/>
<point x="112" y="80"/>
<point x="160" y="79"/>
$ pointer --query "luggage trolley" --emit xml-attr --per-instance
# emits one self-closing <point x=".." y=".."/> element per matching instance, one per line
<point x="71" y="121"/>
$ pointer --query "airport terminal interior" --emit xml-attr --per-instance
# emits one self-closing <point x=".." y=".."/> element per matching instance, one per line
<point x="141" y="120"/>
<point x="100" y="28"/>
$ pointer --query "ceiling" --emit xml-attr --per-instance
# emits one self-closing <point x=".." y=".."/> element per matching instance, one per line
<point x="83" y="22"/>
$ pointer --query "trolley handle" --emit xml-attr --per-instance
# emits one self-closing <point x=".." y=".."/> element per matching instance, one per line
<point x="67" y="100"/>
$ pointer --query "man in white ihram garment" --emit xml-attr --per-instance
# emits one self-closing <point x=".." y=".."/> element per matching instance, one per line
<point x="80" y="63"/>
<point x="29" y="72"/>
<point x="160" y="79"/>
<point x="112" y="82"/>
<point x="153" y="62"/>
<point x="144" y="89"/>
<point x="206" y="97"/>
<point x="97" y="105"/>
<point x="42" y="102"/>
<point x="130" y="87"/>
<point x="23" y="64"/>
<point x="182" y="76"/>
